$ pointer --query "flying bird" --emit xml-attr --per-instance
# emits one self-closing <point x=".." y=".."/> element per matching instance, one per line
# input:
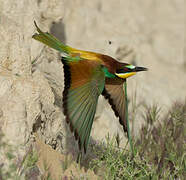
<point x="87" y="76"/>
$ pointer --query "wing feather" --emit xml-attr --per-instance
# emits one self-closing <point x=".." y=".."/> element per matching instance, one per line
<point x="84" y="82"/>
<point x="88" y="128"/>
<point x="115" y="94"/>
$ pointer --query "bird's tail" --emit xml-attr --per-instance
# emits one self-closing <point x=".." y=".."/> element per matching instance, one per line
<point x="51" y="41"/>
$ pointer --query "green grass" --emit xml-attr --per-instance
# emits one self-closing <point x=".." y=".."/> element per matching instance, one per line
<point x="115" y="163"/>
<point x="159" y="151"/>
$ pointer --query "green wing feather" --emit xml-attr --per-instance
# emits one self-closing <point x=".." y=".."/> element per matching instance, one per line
<point x="84" y="82"/>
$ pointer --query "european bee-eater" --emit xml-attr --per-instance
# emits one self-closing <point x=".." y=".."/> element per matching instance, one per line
<point x="87" y="76"/>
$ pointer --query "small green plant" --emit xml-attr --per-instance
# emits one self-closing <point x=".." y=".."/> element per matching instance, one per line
<point x="46" y="175"/>
<point x="10" y="171"/>
<point x="31" y="160"/>
<point x="67" y="161"/>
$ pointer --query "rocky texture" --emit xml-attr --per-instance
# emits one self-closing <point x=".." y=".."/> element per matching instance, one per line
<point x="31" y="75"/>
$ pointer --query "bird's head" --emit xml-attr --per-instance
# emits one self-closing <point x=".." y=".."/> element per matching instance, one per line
<point x="128" y="70"/>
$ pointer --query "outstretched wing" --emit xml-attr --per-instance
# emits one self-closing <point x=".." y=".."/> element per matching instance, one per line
<point x="115" y="93"/>
<point x="84" y="82"/>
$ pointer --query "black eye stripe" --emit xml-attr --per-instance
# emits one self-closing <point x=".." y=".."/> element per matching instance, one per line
<point x="127" y="70"/>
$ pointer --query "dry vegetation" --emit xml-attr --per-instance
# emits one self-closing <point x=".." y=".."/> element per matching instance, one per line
<point x="159" y="154"/>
